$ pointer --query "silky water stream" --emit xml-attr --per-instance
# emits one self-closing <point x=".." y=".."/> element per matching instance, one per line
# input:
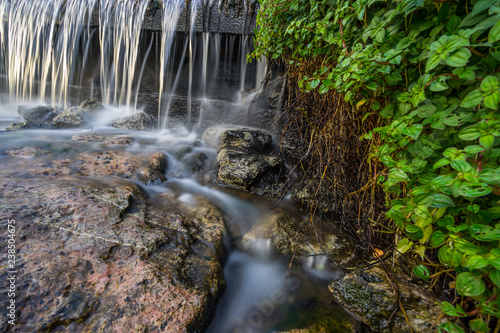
<point x="262" y="294"/>
<point x="194" y="80"/>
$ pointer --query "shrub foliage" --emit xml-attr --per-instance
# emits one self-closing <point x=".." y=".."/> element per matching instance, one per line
<point x="430" y="70"/>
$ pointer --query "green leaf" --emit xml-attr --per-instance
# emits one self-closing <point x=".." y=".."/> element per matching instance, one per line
<point x="404" y="245"/>
<point x="440" y="181"/>
<point x="459" y="58"/>
<point x="449" y="256"/>
<point x="450" y="328"/>
<point x="485" y="233"/>
<point x="469" y="133"/>
<point x="315" y="83"/>
<point x="438" y="238"/>
<point x="489" y="84"/>
<point x="494" y="34"/>
<point x="481" y="6"/>
<point x="474" y="149"/>
<point x="432" y="63"/>
<point x="492" y="99"/>
<point x="472" y="99"/>
<point x="450" y="310"/>
<point x="453" y="23"/>
<point x="441" y="163"/>
<point x="470" y="284"/>
<point x="398" y="175"/>
<point x="323" y="89"/>
<point x="486" y="141"/>
<point x="422" y="211"/>
<point x="461" y="166"/>
<point x="478" y="325"/>
<point x="440" y="200"/>
<point x="477" y="262"/>
<point x="438" y="86"/>
<point x="495" y="277"/>
<point x="414" y="131"/>
<point x="422" y="272"/>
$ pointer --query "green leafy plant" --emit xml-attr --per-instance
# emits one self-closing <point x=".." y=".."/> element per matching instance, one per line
<point x="431" y="70"/>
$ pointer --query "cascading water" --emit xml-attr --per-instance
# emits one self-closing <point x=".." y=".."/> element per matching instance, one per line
<point x="31" y="25"/>
<point x="120" y="68"/>
<point x="261" y="73"/>
<point x="73" y="40"/>
<point x="43" y="49"/>
<point x="170" y="16"/>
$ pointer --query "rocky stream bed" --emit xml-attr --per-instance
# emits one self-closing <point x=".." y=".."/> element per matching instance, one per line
<point x="126" y="231"/>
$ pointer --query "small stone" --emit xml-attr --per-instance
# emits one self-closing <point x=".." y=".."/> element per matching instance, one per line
<point x="241" y="169"/>
<point x="38" y="114"/>
<point x="250" y="139"/>
<point x="104" y="139"/>
<point x="73" y="117"/>
<point x="92" y="106"/>
<point x="195" y="161"/>
<point x="29" y="125"/>
<point x="370" y="297"/>
<point x="139" y="121"/>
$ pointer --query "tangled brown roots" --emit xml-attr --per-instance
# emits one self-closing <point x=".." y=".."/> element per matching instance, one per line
<point x="323" y="132"/>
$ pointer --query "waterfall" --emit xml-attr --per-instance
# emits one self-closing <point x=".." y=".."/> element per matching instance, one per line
<point x="170" y="16"/>
<point x="41" y="47"/>
<point x="120" y="24"/>
<point x="261" y="73"/>
<point x="54" y="51"/>
<point x="73" y="40"/>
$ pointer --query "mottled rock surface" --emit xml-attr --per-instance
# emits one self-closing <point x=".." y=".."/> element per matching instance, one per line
<point x="369" y="296"/>
<point x="295" y="235"/>
<point x="109" y="139"/>
<point x="100" y="256"/>
<point x="139" y="121"/>
<point x="148" y="168"/>
<point x="243" y="170"/>
<point x="72" y="118"/>
<point x="92" y="107"/>
<point x="30" y="125"/>
<point x="250" y="139"/>
<point x="38" y="114"/>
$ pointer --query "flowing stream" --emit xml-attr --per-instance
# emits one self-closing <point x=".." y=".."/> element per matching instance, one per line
<point x="262" y="293"/>
<point x="48" y="57"/>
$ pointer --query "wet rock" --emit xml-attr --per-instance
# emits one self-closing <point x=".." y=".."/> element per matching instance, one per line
<point x="92" y="107"/>
<point x="72" y="118"/>
<point x="104" y="139"/>
<point x="294" y="236"/>
<point x="38" y="114"/>
<point x="30" y="125"/>
<point x="195" y="161"/>
<point x="103" y="257"/>
<point x="240" y="169"/>
<point x="148" y="168"/>
<point x="139" y="121"/>
<point x="322" y="318"/>
<point x="26" y="151"/>
<point x="246" y="138"/>
<point x="154" y="171"/>
<point x="369" y="296"/>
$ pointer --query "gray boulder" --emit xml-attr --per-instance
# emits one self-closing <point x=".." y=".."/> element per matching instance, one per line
<point x="247" y="138"/>
<point x="139" y="121"/>
<point x="37" y="114"/>
<point x="370" y="297"/>
<point x="92" y="106"/>
<point x="73" y="117"/>
<point x="240" y="169"/>
<point x="294" y="236"/>
<point x="29" y="125"/>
